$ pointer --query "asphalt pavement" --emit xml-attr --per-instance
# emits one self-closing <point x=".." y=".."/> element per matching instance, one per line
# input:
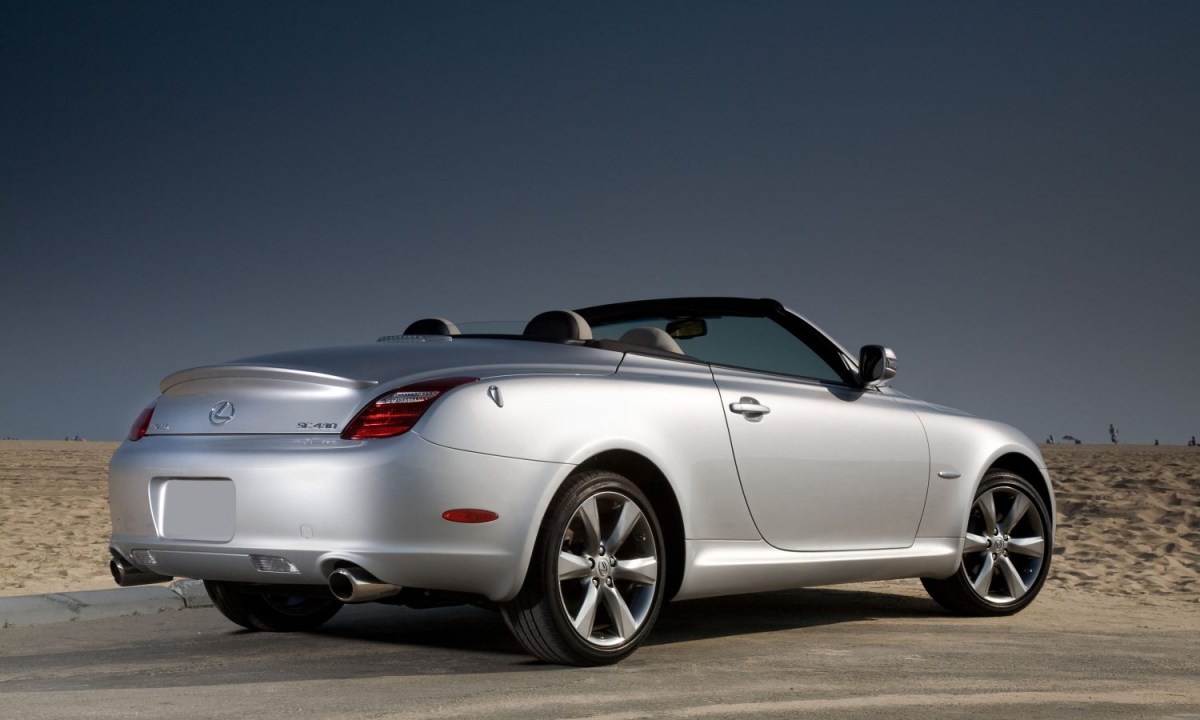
<point x="867" y="651"/>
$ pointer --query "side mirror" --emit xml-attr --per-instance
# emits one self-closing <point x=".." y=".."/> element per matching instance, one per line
<point x="876" y="364"/>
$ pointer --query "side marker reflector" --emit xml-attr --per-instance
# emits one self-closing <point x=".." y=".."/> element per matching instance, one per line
<point x="470" y="516"/>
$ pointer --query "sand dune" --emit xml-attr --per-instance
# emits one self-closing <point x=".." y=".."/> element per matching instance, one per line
<point x="1128" y="518"/>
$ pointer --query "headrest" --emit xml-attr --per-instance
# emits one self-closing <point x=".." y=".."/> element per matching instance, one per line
<point x="652" y="337"/>
<point x="432" y="326"/>
<point x="559" y="325"/>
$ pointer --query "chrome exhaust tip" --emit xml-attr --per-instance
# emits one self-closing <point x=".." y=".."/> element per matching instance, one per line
<point x="126" y="575"/>
<point x="355" y="585"/>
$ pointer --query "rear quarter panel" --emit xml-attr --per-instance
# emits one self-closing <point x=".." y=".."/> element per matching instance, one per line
<point x="667" y="411"/>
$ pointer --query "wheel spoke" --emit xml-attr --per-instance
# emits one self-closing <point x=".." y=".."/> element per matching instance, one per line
<point x="1019" y="507"/>
<point x="1031" y="546"/>
<point x="643" y="571"/>
<point x="626" y="626"/>
<point x="987" y="507"/>
<point x="589" y="515"/>
<point x="585" y="619"/>
<point x="628" y="520"/>
<point x="984" y="580"/>
<point x="975" y="543"/>
<point x="572" y="566"/>
<point x="1012" y="578"/>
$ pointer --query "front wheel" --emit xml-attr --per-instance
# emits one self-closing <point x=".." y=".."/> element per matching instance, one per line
<point x="1006" y="551"/>
<point x="595" y="582"/>
<point x="274" y="612"/>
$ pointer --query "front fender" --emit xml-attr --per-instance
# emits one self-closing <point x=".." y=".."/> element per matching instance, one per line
<point x="968" y="447"/>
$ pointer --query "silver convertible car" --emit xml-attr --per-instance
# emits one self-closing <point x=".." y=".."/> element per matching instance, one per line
<point x="575" y="475"/>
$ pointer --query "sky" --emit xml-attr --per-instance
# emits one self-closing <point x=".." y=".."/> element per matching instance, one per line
<point x="1007" y="194"/>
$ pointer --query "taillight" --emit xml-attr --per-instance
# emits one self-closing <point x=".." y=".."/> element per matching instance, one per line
<point x="396" y="412"/>
<point x="137" y="431"/>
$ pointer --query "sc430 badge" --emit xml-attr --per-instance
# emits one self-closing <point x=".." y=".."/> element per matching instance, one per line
<point x="317" y="425"/>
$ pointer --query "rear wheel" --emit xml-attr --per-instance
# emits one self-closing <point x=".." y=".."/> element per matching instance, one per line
<point x="274" y="612"/>
<point x="594" y="586"/>
<point x="1006" y="552"/>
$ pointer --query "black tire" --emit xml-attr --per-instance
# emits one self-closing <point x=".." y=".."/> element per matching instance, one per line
<point x="273" y="612"/>
<point x="613" y="594"/>
<point x="1005" y="561"/>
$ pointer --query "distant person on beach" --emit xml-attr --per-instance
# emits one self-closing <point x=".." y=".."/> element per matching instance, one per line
<point x="1192" y="442"/>
<point x="1112" y="433"/>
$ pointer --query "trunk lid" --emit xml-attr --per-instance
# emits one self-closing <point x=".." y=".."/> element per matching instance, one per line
<point x="320" y="391"/>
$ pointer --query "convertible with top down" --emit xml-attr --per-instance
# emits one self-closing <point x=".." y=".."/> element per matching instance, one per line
<point x="576" y="473"/>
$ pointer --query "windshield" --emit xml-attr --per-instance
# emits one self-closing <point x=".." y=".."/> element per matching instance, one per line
<point x="754" y="343"/>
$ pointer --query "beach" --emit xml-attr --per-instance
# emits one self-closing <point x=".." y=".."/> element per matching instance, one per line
<point x="1128" y="521"/>
<point x="54" y="516"/>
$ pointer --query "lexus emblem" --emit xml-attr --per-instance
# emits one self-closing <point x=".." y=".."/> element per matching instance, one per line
<point x="221" y="413"/>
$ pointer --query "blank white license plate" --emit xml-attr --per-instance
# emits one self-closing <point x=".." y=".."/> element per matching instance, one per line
<point x="197" y="510"/>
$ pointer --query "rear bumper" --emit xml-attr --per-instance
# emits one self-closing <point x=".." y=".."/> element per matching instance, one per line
<point x="319" y="501"/>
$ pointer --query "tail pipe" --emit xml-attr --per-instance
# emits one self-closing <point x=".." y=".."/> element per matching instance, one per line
<point x="126" y="575"/>
<point x="355" y="585"/>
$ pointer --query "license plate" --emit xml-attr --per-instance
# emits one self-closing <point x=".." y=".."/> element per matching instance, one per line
<point x="196" y="510"/>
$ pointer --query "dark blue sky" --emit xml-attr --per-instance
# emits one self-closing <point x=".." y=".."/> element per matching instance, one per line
<point x="1005" y="193"/>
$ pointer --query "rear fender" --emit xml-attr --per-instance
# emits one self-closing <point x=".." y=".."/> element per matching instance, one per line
<point x="667" y="412"/>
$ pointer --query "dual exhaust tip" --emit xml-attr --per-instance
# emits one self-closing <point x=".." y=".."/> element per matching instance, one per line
<point x="348" y="584"/>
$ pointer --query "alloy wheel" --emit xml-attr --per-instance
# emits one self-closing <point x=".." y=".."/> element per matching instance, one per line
<point x="607" y="569"/>
<point x="1005" y="545"/>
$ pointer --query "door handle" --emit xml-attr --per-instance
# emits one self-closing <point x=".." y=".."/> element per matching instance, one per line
<point x="749" y="407"/>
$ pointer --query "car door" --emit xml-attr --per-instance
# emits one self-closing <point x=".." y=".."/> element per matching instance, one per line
<point x="823" y="464"/>
<point x="825" y="467"/>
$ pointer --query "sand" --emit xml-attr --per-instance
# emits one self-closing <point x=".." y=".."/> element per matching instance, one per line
<point x="54" y="522"/>
<point x="1128" y="519"/>
<point x="1128" y="522"/>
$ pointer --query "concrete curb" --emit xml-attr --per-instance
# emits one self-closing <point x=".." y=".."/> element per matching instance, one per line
<point x="26" y="610"/>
